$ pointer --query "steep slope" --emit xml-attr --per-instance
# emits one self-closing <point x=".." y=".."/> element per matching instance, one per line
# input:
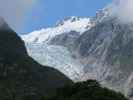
<point x="20" y="76"/>
<point x="45" y="45"/>
<point x="58" y="57"/>
<point x="104" y="50"/>
<point x="69" y="24"/>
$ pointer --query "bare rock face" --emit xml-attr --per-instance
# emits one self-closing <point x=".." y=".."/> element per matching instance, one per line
<point x="105" y="50"/>
<point x="21" y="77"/>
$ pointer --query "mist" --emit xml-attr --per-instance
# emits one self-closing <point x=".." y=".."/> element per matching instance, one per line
<point x="123" y="10"/>
<point x="14" y="11"/>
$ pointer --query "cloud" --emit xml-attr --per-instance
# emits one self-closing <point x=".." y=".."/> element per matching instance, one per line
<point x="14" y="11"/>
<point x="123" y="10"/>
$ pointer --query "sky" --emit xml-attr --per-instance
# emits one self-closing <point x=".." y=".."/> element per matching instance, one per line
<point x="45" y="13"/>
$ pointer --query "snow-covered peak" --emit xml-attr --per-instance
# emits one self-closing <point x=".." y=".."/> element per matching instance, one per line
<point x="68" y="19"/>
<point x="72" y="24"/>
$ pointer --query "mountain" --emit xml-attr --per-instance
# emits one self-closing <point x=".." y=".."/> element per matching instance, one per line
<point x="63" y="33"/>
<point x="69" y="24"/>
<point x="21" y="77"/>
<point x="104" y="49"/>
<point x="49" y="43"/>
<point x="58" y="57"/>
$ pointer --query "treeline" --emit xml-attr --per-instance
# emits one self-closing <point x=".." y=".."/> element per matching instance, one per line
<point x="88" y="90"/>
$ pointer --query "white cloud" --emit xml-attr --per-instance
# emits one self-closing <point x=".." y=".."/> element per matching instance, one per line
<point x="123" y="9"/>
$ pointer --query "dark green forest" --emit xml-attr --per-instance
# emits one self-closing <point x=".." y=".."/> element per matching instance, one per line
<point x="88" y="90"/>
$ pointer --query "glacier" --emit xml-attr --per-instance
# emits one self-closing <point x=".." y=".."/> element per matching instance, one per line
<point x="58" y="57"/>
<point x="39" y="47"/>
<point x="97" y="47"/>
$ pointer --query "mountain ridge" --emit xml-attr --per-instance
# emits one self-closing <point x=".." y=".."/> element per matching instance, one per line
<point x="22" y="77"/>
<point x="104" y="51"/>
